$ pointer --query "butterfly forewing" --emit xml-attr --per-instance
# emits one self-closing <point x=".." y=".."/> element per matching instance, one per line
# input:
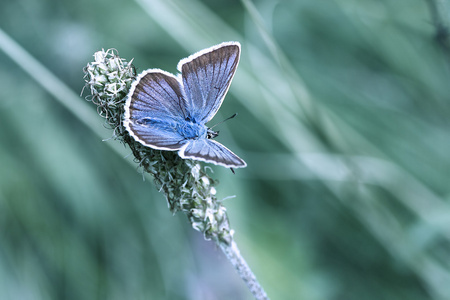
<point x="212" y="152"/>
<point x="157" y="93"/>
<point x="206" y="78"/>
<point x="154" y="108"/>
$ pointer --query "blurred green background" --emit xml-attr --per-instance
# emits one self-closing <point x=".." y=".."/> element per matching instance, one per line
<point x="343" y="120"/>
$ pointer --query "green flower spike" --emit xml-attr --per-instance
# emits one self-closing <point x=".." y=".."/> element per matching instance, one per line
<point x="185" y="184"/>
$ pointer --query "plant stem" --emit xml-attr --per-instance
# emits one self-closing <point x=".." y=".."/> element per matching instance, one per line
<point x="234" y="256"/>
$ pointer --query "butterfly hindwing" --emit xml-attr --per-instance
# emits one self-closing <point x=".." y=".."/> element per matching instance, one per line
<point x="156" y="135"/>
<point x="206" y="78"/>
<point x="212" y="152"/>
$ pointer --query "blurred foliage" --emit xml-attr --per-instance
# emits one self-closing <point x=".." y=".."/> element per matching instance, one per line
<point x="343" y="120"/>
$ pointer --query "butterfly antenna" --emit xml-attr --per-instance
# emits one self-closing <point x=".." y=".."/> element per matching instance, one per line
<point x="224" y="120"/>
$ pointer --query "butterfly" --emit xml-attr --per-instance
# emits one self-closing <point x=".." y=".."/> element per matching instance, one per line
<point x="169" y="112"/>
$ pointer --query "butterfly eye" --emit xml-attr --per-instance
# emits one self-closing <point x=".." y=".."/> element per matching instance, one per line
<point x="212" y="134"/>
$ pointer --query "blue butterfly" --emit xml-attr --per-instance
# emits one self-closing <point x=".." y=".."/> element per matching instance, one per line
<point x="168" y="112"/>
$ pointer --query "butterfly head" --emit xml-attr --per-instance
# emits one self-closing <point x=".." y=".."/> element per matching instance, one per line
<point x="210" y="134"/>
